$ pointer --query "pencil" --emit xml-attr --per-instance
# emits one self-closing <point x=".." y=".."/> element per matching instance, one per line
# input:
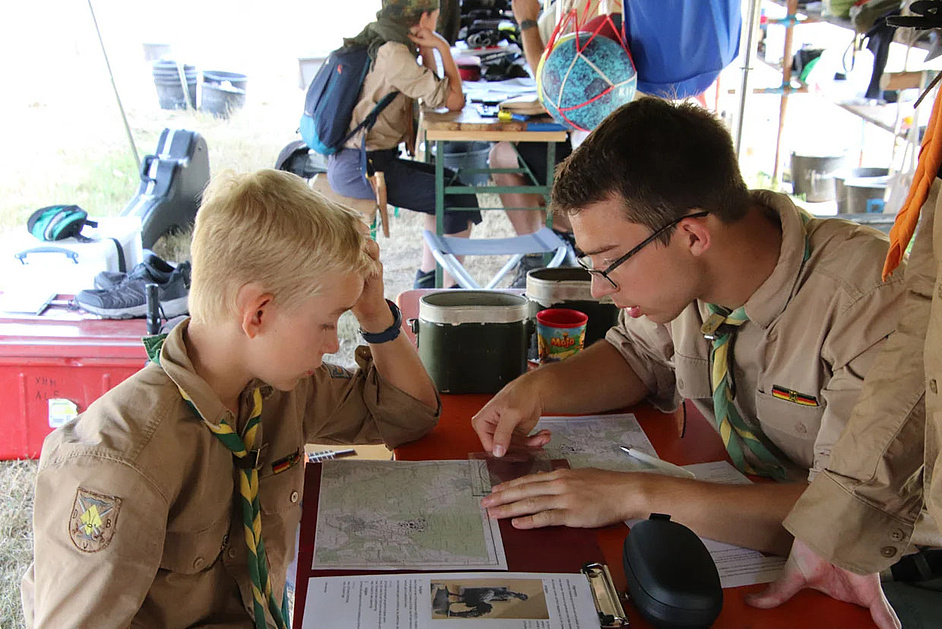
<point x="658" y="464"/>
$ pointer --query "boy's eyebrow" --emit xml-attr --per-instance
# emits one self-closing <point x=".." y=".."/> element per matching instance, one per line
<point x="603" y="249"/>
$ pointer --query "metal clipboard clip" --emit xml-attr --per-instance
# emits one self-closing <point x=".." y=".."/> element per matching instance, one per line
<point x="607" y="603"/>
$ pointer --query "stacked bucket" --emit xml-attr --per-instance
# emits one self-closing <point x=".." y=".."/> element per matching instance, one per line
<point x="221" y="93"/>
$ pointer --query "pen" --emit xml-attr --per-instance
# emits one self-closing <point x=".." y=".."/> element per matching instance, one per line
<point x="656" y="463"/>
<point x="315" y="457"/>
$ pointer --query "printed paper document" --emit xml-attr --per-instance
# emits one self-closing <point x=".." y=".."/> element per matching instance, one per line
<point x="451" y="601"/>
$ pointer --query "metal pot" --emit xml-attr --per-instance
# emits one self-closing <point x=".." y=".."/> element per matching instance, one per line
<point x="570" y="287"/>
<point x="472" y="341"/>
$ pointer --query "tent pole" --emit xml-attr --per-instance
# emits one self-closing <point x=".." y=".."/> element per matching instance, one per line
<point x="753" y="26"/>
<point x="124" y="118"/>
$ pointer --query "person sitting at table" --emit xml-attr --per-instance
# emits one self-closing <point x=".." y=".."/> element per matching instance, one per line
<point x="137" y="520"/>
<point x="765" y="318"/>
<point x="403" y="29"/>
<point x="536" y="27"/>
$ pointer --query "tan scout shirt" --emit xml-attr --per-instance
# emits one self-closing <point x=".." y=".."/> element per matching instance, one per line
<point x="168" y="548"/>
<point x="860" y="513"/>
<point x="395" y="68"/>
<point x="815" y="326"/>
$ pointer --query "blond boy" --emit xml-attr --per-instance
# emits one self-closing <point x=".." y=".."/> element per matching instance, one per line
<point x="140" y="502"/>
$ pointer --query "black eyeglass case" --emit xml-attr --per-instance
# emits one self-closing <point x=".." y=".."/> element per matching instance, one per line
<point x="672" y="580"/>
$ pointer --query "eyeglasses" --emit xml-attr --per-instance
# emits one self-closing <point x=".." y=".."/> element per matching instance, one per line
<point x="586" y="263"/>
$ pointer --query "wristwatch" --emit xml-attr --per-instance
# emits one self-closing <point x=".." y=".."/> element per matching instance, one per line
<point x="390" y="333"/>
<point x="527" y="25"/>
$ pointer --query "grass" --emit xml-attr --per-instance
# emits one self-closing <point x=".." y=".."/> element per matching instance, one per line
<point x="16" y="535"/>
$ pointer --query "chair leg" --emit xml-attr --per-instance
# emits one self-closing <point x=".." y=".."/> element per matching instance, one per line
<point x="504" y="270"/>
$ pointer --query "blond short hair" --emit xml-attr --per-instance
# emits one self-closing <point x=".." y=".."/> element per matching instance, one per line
<point x="270" y="228"/>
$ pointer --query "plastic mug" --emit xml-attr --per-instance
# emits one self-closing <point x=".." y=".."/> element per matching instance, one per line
<point x="560" y="333"/>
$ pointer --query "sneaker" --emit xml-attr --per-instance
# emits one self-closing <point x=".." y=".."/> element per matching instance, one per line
<point x="129" y="299"/>
<point x="424" y="279"/>
<point x="527" y="263"/>
<point x="570" y="240"/>
<point x="153" y="270"/>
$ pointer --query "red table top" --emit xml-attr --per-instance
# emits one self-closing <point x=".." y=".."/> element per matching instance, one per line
<point x="454" y="438"/>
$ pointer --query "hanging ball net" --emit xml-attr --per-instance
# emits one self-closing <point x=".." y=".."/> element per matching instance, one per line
<point x="585" y="75"/>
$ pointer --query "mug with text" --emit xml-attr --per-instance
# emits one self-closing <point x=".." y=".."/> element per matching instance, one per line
<point x="560" y="333"/>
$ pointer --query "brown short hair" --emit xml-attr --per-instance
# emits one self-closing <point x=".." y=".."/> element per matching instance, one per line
<point x="269" y="227"/>
<point x="661" y="159"/>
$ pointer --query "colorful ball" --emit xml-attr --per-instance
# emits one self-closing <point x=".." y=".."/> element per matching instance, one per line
<point x="581" y="83"/>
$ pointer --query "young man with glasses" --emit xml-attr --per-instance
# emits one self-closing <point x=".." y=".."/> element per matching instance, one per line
<point x="765" y="318"/>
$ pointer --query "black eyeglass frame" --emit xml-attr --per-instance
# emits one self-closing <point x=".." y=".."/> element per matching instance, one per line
<point x="641" y="245"/>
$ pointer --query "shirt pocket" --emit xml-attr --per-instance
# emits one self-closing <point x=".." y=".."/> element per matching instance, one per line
<point x="191" y="552"/>
<point x="792" y="427"/>
<point x="280" y="492"/>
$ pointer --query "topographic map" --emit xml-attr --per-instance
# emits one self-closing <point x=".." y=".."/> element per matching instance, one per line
<point x="405" y="515"/>
<point x="594" y="440"/>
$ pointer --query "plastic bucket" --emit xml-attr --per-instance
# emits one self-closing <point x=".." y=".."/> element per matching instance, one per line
<point x="813" y="176"/>
<point x="221" y="100"/>
<point x="464" y="155"/>
<point x="219" y="77"/>
<point x="167" y="81"/>
<point x="865" y="194"/>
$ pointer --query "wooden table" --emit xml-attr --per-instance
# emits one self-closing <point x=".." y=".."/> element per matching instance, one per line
<point x="468" y="125"/>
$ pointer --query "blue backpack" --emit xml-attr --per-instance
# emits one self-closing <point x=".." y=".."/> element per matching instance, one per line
<point x="331" y="97"/>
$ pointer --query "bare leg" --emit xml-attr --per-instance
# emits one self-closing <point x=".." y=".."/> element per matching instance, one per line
<point x="503" y="155"/>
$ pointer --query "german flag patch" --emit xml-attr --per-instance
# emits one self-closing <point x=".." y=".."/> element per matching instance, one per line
<point x="285" y="463"/>
<point x="793" y="396"/>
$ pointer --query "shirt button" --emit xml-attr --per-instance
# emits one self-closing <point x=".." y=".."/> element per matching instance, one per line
<point x="232" y="552"/>
<point x="294" y="496"/>
<point x="801" y="428"/>
<point x="199" y="563"/>
<point x="933" y="386"/>
<point x="896" y="535"/>
<point x="680" y="383"/>
<point x="888" y="551"/>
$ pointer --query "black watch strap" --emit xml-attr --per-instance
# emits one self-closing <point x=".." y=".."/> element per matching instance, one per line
<point x="528" y="24"/>
<point x="390" y="333"/>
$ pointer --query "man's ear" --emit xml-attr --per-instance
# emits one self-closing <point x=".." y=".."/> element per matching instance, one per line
<point x="254" y="307"/>
<point x="695" y="235"/>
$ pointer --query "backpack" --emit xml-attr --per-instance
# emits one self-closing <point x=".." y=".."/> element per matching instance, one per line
<point x="331" y="97"/>
<point x="58" y="222"/>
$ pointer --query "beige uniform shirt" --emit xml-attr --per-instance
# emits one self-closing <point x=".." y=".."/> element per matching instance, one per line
<point x="164" y="545"/>
<point x="861" y="512"/>
<point x="395" y="68"/>
<point x="815" y="326"/>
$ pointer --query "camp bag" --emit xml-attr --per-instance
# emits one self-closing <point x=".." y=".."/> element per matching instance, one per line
<point x="171" y="185"/>
<point x="331" y="97"/>
<point x="58" y="222"/>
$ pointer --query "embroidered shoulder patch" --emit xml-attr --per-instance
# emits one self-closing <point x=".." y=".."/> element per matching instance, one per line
<point x="94" y="520"/>
<point x="336" y="371"/>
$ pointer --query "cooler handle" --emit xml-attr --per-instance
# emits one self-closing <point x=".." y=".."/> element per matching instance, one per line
<point x="414" y="326"/>
<point x="21" y="256"/>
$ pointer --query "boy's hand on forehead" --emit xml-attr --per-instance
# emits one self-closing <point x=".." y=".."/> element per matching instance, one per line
<point x="371" y="309"/>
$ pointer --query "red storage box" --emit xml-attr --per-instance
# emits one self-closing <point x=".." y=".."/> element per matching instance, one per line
<point x="56" y="360"/>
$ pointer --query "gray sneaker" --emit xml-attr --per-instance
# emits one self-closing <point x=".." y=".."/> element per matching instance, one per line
<point x="153" y="269"/>
<point x="527" y="263"/>
<point x="129" y="299"/>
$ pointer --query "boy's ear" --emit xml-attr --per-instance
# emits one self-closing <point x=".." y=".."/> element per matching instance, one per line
<point x="254" y="308"/>
<point x="695" y="235"/>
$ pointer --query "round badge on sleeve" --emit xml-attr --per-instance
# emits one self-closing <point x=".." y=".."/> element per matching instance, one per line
<point x="94" y="520"/>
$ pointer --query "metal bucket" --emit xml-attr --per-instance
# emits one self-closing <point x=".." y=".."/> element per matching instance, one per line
<point x="570" y="287"/>
<point x="840" y="190"/>
<point x="472" y="341"/>
<point x="813" y="176"/>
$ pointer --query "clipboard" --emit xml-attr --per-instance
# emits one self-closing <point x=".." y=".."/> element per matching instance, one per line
<point x="526" y="551"/>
